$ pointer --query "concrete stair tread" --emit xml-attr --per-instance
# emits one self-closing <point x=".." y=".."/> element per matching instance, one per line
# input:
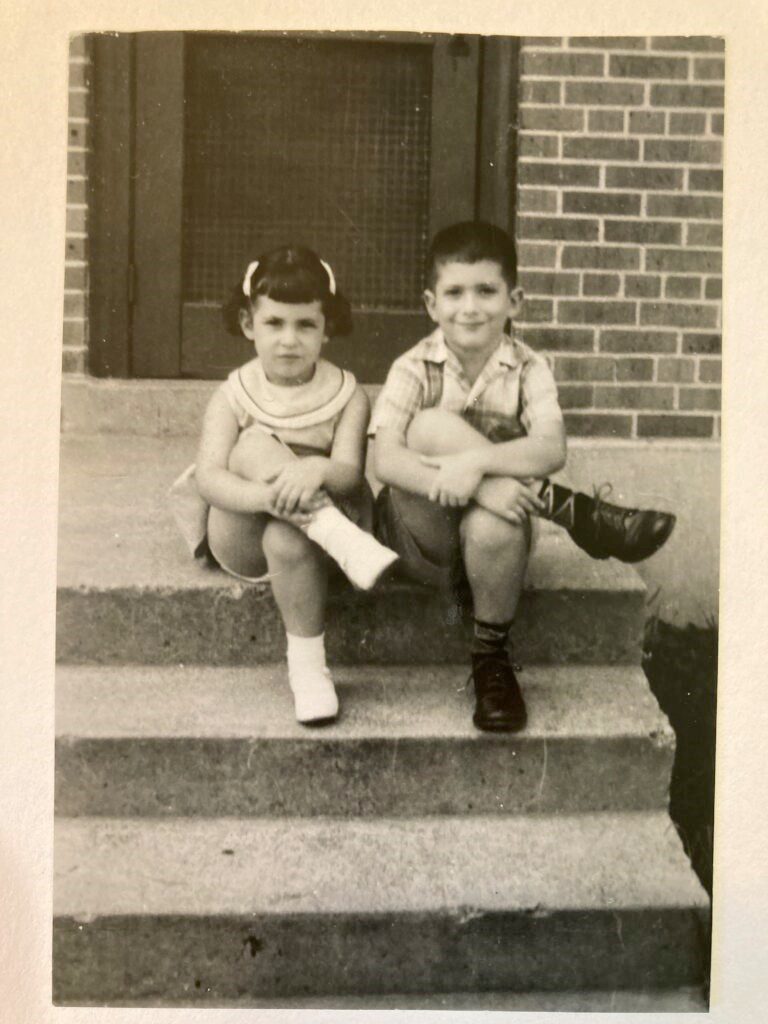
<point x="456" y="865"/>
<point x="95" y="702"/>
<point x="113" y="501"/>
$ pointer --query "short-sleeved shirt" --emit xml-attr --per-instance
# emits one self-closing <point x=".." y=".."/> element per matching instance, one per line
<point x="514" y="395"/>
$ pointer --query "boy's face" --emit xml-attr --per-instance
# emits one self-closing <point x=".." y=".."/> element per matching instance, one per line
<point x="471" y="303"/>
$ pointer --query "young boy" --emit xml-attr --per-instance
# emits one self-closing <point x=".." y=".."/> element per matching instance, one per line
<point x="468" y="429"/>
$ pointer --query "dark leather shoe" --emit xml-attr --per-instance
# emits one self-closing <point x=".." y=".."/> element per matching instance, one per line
<point x="499" y="705"/>
<point x="628" y="534"/>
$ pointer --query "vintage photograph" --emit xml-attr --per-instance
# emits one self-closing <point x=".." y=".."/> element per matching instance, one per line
<point x="388" y="560"/>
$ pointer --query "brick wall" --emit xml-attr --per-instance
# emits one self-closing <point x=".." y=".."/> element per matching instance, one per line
<point x="620" y="229"/>
<point x="75" y="266"/>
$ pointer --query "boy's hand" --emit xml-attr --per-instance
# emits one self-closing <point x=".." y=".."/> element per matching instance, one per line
<point x="296" y="485"/>
<point x="458" y="477"/>
<point x="508" y="498"/>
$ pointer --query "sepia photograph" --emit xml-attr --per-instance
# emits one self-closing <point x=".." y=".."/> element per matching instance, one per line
<point x="388" y="571"/>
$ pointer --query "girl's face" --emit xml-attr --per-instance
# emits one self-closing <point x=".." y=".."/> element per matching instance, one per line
<point x="287" y="336"/>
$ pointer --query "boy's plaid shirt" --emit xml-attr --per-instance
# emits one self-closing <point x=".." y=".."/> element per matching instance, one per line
<point x="514" y="395"/>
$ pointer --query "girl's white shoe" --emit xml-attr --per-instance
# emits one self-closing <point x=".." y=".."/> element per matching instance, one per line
<point x="362" y="558"/>
<point x="314" y="695"/>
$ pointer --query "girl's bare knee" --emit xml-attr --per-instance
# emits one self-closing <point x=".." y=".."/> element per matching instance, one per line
<point x="256" y="456"/>
<point x="285" y="544"/>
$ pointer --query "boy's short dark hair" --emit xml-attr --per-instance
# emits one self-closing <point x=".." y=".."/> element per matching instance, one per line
<point x="470" y="242"/>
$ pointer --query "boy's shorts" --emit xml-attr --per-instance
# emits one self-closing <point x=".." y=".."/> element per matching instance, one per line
<point x="391" y="529"/>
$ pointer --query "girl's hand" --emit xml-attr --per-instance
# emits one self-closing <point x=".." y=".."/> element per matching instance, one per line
<point x="296" y="485"/>
<point x="457" y="478"/>
<point x="508" y="498"/>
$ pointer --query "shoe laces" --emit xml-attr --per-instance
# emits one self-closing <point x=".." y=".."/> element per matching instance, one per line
<point x="515" y="666"/>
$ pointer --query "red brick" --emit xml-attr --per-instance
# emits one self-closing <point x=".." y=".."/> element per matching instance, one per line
<point x="675" y="371"/>
<point x="625" y="66"/>
<point x="674" y="426"/>
<point x="552" y="119"/>
<point x="705" y="181"/>
<point x="79" y="74"/>
<point x="646" y="122"/>
<point x="601" y="202"/>
<point x="597" y="425"/>
<point x="562" y="65"/>
<point x="702" y="344"/>
<point x="74" y="304"/>
<point x="644" y="177"/>
<point x="77" y="135"/>
<point x="634" y="369"/>
<point x="559" y="228"/>
<point x="539" y="145"/>
<point x="559" y="339"/>
<point x="628" y="397"/>
<point x="638" y="286"/>
<point x="710" y="371"/>
<point x="593" y="147"/>
<point x="717" y="123"/>
<point x="687" y="95"/>
<point x="569" y="312"/>
<point x="584" y="368"/>
<point x="532" y="255"/>
<point x="705" y="234"/>
<point x="575" y="396"/>
<point x="75" y="277"/>
<point x="606" y="121"/>
<point x="74" y="249"/>
<point x="608" y="42"/>
<point x="76" y="217"/>
<point x="683" y="288"/>
<point x="605" y="94"/>
<point x="73" y="360"/>
<point x="688" y="44"/>
<point x="76" y="191"/>
<point x="700" y="399"/>
<point x="557" y="174"/>
<point x="638" y="341"/>
<point x="78" y="103"/>
<point x="713" y="288"/>
<point x="683" y="151"/>
<point x="549" y="284"/>
<point x="540" y="92"/>
<point x="687" y="124"/>
<point x="644" y="232"/>
<point x="601" y="284"/>
<point x="537" y="200"/>
<point x="683" y="261"/>
<point x="675" y="314"/>
<point x="600" y="257"/>
<point x="77" y="47"/>
<point x="76" y="164"/>
<point x="74" y="332"/>
<point x="700" y="207"/>
<point x="538" y="311"/>
<point x="542" y="41"/>
<point x="709" y="69"/>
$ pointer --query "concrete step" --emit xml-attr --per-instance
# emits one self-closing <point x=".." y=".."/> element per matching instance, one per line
<point x="198" y="909"/>
<point x="149" y="741"/>
<point x="128" y="591"/>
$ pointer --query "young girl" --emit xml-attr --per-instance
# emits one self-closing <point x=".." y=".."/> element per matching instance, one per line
<point x="282" y="453"/>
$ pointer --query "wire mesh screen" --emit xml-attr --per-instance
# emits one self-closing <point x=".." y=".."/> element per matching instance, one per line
<point x="311" y="141"/>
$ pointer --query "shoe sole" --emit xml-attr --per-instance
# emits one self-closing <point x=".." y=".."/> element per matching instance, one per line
<point x="500" y="727"/>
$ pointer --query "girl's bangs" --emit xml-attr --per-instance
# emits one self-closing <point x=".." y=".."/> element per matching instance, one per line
<point x="291" y="285"/>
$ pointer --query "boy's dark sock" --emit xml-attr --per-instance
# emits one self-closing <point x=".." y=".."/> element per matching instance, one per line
<point x="604" y="530"/>
<point x="490" y="637"/>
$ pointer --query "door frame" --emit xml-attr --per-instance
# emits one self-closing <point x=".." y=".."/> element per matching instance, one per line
<point x="137" y="164"/>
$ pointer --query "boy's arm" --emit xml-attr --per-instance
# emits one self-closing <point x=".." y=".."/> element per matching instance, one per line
<point x="399" y="466"/>
<point x="535" y="456"/>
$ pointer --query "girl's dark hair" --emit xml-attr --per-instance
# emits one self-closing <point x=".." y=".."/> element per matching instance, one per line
<point x="291" y="274"/>
<point x="471" y="242"/>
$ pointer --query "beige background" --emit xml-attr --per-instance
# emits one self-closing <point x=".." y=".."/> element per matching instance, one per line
<point x="33" y="98"/>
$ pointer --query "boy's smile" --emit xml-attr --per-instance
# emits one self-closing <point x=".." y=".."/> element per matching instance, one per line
<point x="471" y="304"/>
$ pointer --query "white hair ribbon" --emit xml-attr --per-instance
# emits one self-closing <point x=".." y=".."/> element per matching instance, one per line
<point x="247" y="279"/>
<point x="331" y="278"/>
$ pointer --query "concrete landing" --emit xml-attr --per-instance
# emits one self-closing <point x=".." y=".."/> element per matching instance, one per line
<point x="300" y="906"/>
<point x="142" y="741"/>
<point x="129" y="592"/>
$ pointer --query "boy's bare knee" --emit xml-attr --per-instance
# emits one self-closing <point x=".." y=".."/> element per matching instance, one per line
<point x="486" y="530"/>
<point x="284" y="544"/>
<point x="438" y="431"/>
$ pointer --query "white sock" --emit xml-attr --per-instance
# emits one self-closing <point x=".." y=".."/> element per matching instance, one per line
<point x="359" y="554"/>
<point x="314" y="694"/>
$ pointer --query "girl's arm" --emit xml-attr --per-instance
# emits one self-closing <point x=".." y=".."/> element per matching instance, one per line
<point x="217" y="485"/>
